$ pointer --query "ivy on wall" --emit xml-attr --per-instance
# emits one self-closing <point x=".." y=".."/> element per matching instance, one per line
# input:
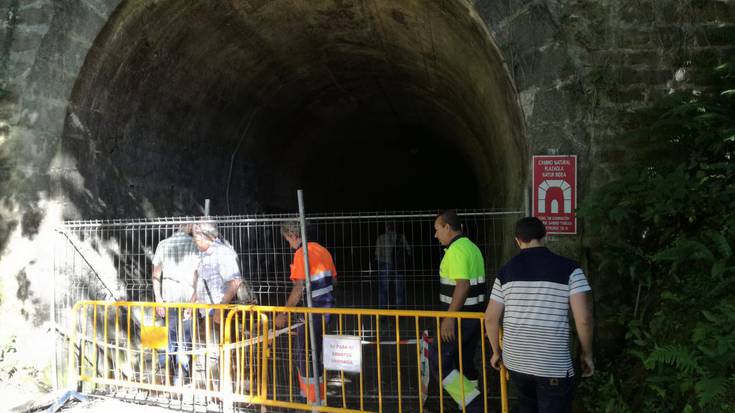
<point x="665" y="231"/>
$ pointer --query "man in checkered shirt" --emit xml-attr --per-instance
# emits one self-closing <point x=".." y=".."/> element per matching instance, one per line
<point x="174" y="279"/>
<point x="218" y="272"/>
<point x="218" y="282"/>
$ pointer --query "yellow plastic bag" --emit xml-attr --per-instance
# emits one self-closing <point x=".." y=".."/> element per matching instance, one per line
<point x="154" y="337"/>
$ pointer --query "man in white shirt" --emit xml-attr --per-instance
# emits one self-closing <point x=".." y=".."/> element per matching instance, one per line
<point x="532" y="296"/>
<point x="174" y="278"/>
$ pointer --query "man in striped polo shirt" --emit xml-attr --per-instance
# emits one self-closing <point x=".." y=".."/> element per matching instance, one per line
<point x="532" y="296"/>
<point x="462" y="288"/>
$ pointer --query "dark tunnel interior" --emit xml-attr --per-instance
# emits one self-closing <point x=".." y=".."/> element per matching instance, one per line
<point x="365" y="105"/>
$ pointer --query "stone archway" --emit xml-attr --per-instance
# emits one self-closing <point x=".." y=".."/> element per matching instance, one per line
<point x="384" y="105"/>
<point x="135" y="108"/>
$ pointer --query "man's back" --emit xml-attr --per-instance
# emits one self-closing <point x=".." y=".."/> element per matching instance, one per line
<point x="322" y="272"/>
<point x="535" y="287"/>
<point x="218" y="265"/>
<point x="177" y="257"/>
<point x="389" y="245"/>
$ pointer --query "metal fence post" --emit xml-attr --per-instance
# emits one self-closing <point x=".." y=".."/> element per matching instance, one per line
<point x="307" y="279"/>
<point x="72" y="376"/>
<point x="228" y="405"/>
<point x="54" y="335"/>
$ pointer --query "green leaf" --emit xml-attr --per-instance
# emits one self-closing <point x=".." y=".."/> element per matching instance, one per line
<point x="718" y="269"/>
<point x="685" y="250"/>
<point x="618" y="214"/>
<point x="677" y="356"/>
<point x="668" y="295"/>
<point x="720" y="242"/>
<point x="710" y="389"/>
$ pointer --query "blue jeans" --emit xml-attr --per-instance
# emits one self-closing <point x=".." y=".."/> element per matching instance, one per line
<point x="543" y="394"/>
<point x="386" y="274"/>
<point x="176" y="344"/>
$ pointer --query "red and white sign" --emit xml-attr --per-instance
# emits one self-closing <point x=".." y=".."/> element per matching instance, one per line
<point x="555" y="192"/>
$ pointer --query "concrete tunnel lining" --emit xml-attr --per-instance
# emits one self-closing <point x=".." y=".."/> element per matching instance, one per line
<point x="389" y="105"/>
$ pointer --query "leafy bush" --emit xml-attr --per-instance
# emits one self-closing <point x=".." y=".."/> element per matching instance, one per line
<point x="666" y="235"/>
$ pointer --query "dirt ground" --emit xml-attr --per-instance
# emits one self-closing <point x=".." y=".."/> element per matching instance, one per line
<point x="40" y="403"/>
<point x="107" y="405"/>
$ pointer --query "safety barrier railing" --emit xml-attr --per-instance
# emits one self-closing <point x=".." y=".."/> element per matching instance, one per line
<point x="390" y="370"/>
<point x="161" y="347"/>
<point x="378" y="360"/>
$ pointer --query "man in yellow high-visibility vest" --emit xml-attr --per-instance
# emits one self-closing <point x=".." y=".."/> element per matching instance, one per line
<point x="462" y="279"/>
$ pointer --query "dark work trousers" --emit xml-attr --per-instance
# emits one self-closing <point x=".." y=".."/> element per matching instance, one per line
<point x="387" y="274"/>
<point x="179" y="340"/>
<point x="450" y="357"/>
<point x="543" y="394"/>
<point x="307" y="382"/>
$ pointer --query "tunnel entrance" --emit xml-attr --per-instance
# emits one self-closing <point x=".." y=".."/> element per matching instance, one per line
<point x="365" y="105"/>
<point x="110" y="261"/>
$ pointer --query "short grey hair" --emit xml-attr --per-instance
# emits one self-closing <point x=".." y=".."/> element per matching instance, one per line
<point x="187" y="228"/>
<point x="291" y="228"/>
<point x="207" y="229"/>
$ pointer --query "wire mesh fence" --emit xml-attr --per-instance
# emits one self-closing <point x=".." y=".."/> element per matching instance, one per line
<point x="383" y="260"/>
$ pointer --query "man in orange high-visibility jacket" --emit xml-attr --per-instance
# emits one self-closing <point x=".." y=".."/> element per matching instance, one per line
<point x="323" y="278"/>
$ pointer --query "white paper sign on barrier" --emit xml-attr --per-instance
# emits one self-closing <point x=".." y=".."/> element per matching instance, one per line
<point x="343" y="353"/>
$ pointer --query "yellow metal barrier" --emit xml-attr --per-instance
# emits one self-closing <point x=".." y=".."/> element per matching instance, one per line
<point x="391" y="375"/>
<point x="128" y="344"/>
<point x="237" y="356"/>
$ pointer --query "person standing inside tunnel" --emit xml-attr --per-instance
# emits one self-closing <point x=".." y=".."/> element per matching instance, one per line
<point x="462" y="288"/>
<point x="218" y="280"/>
<point x="174" y="279"/>
<point x="532" y="296"/>
<point x="323" y="279"/>
<point x="391" y="251"/>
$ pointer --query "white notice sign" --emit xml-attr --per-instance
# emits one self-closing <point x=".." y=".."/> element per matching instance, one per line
<point x="343" y="353"/>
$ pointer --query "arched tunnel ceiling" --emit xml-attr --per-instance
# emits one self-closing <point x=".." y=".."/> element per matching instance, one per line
<point x="364" y="104"/>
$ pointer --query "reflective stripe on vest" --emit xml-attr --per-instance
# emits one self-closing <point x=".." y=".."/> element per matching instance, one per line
<point x="449" y="281"/>
<point x="320" y="275"/>
<point x="467" y="301"/>
<point x="320" y="292"/>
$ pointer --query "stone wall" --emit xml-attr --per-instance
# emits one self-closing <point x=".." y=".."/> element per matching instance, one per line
<point x="582" y="66"/>
<point x="44" y="44"/>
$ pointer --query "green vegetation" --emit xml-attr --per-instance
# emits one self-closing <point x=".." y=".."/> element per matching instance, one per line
<point x="665" y="233"/>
